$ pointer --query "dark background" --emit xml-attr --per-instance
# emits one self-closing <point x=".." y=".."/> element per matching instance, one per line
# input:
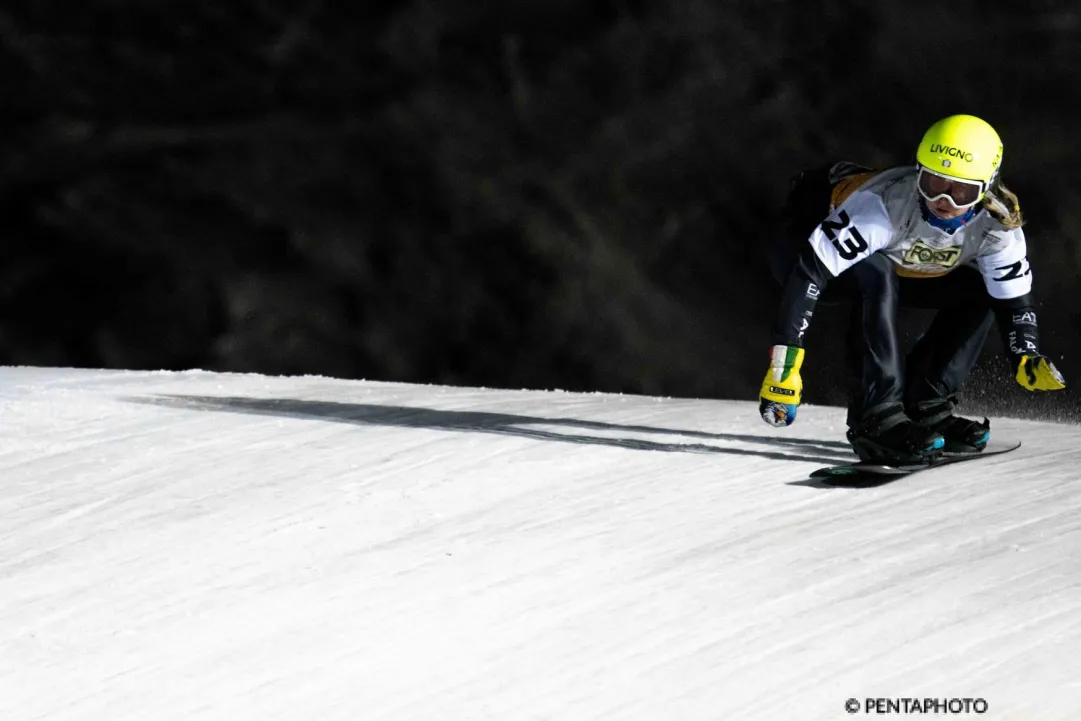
<point x="536" y="194"/>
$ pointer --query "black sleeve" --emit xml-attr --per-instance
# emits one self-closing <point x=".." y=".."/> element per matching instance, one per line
<point x="1016" y="318"/>
<point x="805" y="283"/>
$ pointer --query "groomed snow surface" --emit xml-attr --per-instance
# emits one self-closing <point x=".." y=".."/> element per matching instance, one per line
<point x="212" y="546"/>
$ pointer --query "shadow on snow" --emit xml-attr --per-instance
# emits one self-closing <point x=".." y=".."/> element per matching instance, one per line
<point x="505" y="424"/>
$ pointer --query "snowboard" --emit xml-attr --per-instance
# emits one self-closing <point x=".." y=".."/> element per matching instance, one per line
<point x="866" y="475"/>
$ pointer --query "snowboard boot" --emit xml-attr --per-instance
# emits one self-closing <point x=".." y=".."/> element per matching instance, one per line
<point x="961" y="435"/>
<point x="886" y="435"/>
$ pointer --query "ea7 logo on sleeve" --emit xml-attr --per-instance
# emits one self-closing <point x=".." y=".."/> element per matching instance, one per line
<point x="1015" y="270"/>
<point x="853" y="245"/>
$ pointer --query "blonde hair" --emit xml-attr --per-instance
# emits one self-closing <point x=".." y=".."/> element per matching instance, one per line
<point x="1002" y="203"/>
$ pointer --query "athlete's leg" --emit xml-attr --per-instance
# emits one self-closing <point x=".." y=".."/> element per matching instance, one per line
<point x="943" y="358"/>
<point x="882" y="367"/>
<point x="878" y="426"/>
<point x="946" y="353"/>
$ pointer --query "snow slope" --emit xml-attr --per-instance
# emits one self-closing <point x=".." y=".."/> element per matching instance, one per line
<point x="209" y="546"/>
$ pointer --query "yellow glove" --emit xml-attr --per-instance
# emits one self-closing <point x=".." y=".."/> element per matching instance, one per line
<point x="782" y="389"/>
<point x="1038" y="373"/>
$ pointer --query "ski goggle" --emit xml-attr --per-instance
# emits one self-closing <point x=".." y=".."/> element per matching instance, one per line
<point x="961" y="193"/>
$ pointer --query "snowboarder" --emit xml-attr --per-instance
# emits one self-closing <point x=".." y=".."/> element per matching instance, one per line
<point x="943" y="234"/>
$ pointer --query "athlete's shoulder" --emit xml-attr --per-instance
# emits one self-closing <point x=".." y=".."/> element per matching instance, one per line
<point x="891" y="186"/>
<point x="899" y="179"/>
<point x="864" y="211"/>
<point x="993" y="236"/>
<point x="891" y="198"/>
<point x="846" y="178"/>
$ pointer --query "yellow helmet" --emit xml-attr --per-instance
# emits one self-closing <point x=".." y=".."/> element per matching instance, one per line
<point x="963" y="147"/>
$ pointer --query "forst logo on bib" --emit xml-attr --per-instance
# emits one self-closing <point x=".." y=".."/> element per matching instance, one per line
<point x="922" y="254"/>
<point x="952" y="152"/>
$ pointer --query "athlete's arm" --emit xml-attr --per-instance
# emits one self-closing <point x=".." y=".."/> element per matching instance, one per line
<point x="855" y="230"/>
<point x="1008" y="277"/>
